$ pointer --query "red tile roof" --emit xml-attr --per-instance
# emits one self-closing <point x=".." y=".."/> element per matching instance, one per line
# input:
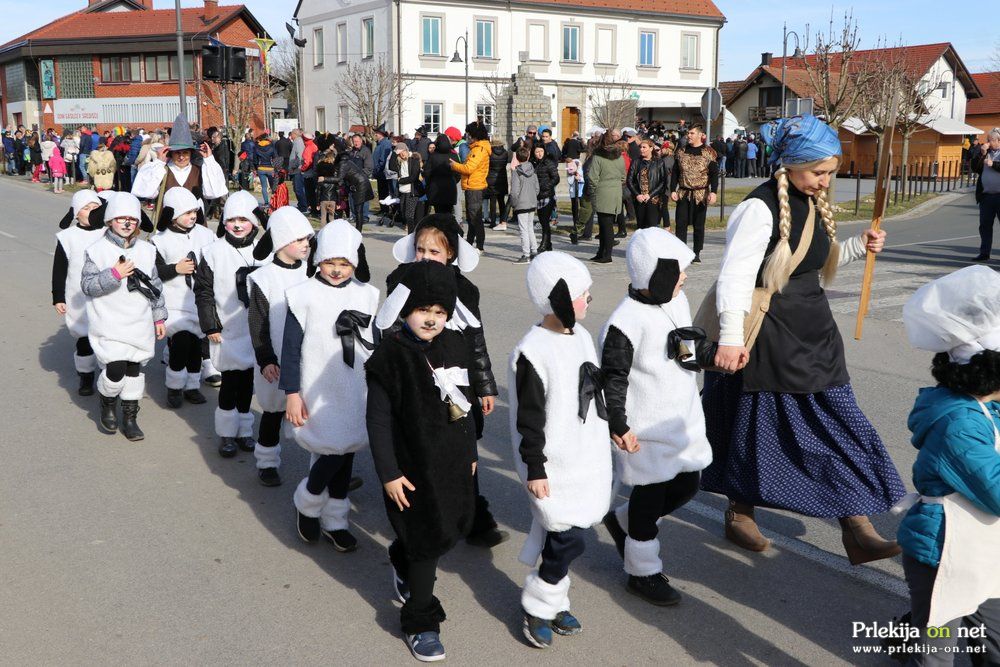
<point x="729" y="89"/>
<point x="705" y="8"/>
<point x="989" y="84"/>
<point x="918" y="58"/>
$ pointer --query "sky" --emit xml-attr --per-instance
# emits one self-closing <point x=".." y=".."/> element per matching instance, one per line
<point x="750" y="29"/>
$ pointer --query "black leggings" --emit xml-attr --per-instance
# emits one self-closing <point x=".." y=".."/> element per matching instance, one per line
<point x="606" y="227"/>
<point x="269" y="432"/>
<point x="545" y="220"/>
<point x="185" y="352"/>
<point x="560" y="550"/>
<point x="117" y="370"/>
<point x="83" y="348"/>
<point x="650" y="502"/>
<point x="205" y="353"/>
<point x="476" y="235"/>
<point x="331" y="472"/>
<point x="647" y="214"/>
<point x="236" y="390"/>
<point x="498" y="204"/>
<point x="422" y="612"/>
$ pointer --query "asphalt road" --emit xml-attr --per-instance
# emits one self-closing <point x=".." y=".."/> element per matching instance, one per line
<point x="161" y="552"/>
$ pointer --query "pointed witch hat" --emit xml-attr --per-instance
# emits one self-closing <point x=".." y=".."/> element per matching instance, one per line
<point x="180" y="135"/>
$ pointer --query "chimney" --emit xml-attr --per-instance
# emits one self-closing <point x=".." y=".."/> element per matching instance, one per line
<point x="765" y="58"/>
<point x="211" y="8"/>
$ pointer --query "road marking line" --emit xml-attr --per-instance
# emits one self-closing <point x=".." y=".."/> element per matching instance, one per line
<point x="10" y="236"/>
<point x="906" y="245"/>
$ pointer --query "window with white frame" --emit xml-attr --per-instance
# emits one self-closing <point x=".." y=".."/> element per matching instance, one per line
<point x="537" y="38"/>
<point x="321" y="119"/>
<point x="341" y="42"/>
<point x="605" y="43"/>
<point x="318" y="47"/>
<point x="432" y="116"/>
<point x="344" y="119"/>
<point x="430" y="36"/>
<point x="484" y="38"/>
<point x="484" y="113"/>
<point x="647" y="49"/>
<point x="690" y="46"/>
<point x="368" y="37"/>
<point x="571" y="43"/>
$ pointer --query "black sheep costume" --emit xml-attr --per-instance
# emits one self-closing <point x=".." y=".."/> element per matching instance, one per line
<point x="411" y="434"/>
<point x="468" y="322"/>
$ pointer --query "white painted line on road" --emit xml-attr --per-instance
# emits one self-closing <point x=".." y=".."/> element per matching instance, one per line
<point x="10" y="236"/>
<point x="839" y="564"/>
<point x="906" y="245"/>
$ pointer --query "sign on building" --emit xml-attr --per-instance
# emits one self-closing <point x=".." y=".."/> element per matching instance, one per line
<point x="48" y="75"/>
<point x="78" y="111"/>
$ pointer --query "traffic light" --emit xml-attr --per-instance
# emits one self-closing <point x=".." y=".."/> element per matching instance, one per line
<point x="223" y="63"/>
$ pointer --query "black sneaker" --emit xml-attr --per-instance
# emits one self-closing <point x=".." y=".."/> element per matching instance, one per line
<point x="342" y="540"/>
<point x="227" y="447"/>
<point x="488" y="538"/>
<point x="537" y="631"/>
<point x="400" y="587"/>
<point x="355" y="484"/>
<point x="308" y="527"/>
<point x="175" y="398"/>
<point x="654" y="589"/>
<point x="246" y="444"/>
<point x="194" y="397"/>
<point x="696" y="260"/>
<point x="981" y="258"/>
<point x="566" y="624"/>
<point x="573" y="238"/>
<point x="214" y="380"/>
<point x="269" y="477"/>
<point x="610" y="522"/>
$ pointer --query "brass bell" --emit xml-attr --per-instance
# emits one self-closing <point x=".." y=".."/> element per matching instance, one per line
<point x="454" y="412"/>
<point x="683" y="351"/>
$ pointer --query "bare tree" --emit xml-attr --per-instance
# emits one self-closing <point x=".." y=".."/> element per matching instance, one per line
<point x="611" y="103"/>
<point x="245" y="101"/>
<point x="915" y="90"/>
<point x="285" y="67"/>
<point x="880" y="82"/>
<point x="372" y="90"/>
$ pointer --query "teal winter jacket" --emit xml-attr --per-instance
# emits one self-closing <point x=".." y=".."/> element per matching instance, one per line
<point x="957" y="455"/>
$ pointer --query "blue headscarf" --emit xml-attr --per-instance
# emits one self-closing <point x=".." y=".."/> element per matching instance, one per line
<point x="800" y="139"/>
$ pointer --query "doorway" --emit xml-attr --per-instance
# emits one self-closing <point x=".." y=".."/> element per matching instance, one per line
<point x="570" y="122"/>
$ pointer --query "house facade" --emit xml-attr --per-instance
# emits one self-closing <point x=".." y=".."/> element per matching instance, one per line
<point x="984" y="112"/>
<point x="663" y="54"/>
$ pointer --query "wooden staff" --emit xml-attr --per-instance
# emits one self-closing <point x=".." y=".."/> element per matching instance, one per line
<point x="878" y="210"/>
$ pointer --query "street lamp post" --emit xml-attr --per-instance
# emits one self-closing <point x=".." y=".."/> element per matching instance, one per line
<point x="457" y="59"/>
<point x="180" y="60"/>
<point x="785" y="34"/>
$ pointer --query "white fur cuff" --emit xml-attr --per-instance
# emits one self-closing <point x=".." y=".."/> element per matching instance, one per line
<point x="193" y="381"/>
<point x="642" y="559"/>
<point x="87" y="364"/>
<point x="544" y="600"/>
<point x="245" y="425"/>
<point x="207" y="369"/>
<point x="334" y="514"/>
<point x="106" y="387"/>
<point x="227" y="423"/>
<point x="267" y="457"/>
<point x="134" y="388"/>
<point x="176" y="379"/>
<point x="307" y="503"/>
<point x="621" y="513"/>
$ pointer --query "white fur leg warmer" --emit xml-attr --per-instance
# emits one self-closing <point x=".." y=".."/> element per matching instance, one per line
<point x="621" y="512"/>
<point x="267" y="457"/>
<point x="106" y="387"/>
<point x="334" y="515"/>
<point x="193" y="381"/>
<point x="544" y="600"/>
<point x="307" y="503"/>
<point x="642" y="559"/>
<point x="134" y="388"/>
<point x="176" y="379"/>
<point x="207" y="369"/>
<point x="246" y="425"/>
<point x="227" y="423"/>
<point x="87" y="364"/>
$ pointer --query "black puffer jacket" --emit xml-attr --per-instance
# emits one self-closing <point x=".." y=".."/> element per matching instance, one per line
<point x="548" y="176"/>
<point x="496" y="178"/>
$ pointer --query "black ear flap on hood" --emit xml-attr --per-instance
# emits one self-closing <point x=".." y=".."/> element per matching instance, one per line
<point x="201" y="217"/>
<point x="97" y="216"/>
<point x="311" y="260"/>
<point x="362" y="272"/>
<point x="221" y="229"/>
<point x="145" y="224"/>
<point x="264" y="247"/>
<point x="562" y="304"/>
<point x="262" y="216"/>
<point x="67" y="219"/>
<point x="165" y="219"/>
<point x="664" y="280"/>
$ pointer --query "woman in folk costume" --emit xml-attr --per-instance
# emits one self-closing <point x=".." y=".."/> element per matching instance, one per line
<point x="288" y="234"/>
<point x="654" y="406"/>
<point x="785" y="427"/>
<point x="559" y="430"/>
<point x="180" y="240"/>
<point x="125" y="311"/>
<point x="951" y="534"/>
<point x="328" y="335"/>
<point x="438" y="238"/>
<point x="422" y="440"/>
<point x="222" y="298"/>
<point x="86" y="210"/>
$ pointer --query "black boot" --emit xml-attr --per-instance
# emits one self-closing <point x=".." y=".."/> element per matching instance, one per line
<point x="109" y="418"/>
<point x="175" y="398"/>
<point x="546" y="242"/>
<point x="194" y="396"/>
<point x="86" y="384"/>
<point x="130" y="429"/>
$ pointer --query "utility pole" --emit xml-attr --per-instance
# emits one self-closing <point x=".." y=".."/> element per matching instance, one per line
<point x="180" y="60"/>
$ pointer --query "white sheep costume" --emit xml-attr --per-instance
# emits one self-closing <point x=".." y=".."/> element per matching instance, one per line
<point x="334" y="393"/>
<point x="75" y="240"/>
<point x="578" y="451"/>
<point x="663" y="404"/>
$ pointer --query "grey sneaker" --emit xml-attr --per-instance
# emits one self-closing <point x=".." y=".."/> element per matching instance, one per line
<point x="426" y="646"/>
<point x="523" y="259"/>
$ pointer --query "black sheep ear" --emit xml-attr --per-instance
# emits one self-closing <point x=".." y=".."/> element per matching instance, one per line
<point x="664" y="280"/>
<point x="362" y="272"/>
<point x="562" y="304"/>
<point x="220" y="231"/>
<point x="145" y="224"/>
<point x="311" y="260"/>
<point x="97" y="216"/>
<point x="166" y="217"/>
<point x="262" y="216"/>
<point x="264" y="247"/>
<point x="67" y="219"/>
<point x="201" y="217"/>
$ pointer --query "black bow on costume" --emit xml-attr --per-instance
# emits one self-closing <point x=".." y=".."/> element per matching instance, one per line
<point x="141" y="283"/>
<point x="703" y="355"/>
<point x="348" y="327"/>
<point x="591" y="388"/>
<point x="241" y="284"/>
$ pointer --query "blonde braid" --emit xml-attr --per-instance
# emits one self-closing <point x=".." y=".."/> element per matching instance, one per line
<point x="830" y="225"/>
<point x="778" y="264"/>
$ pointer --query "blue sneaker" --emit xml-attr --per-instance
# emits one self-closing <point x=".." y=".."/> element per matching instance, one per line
<point x="537" y="631"/>
<point x="400" y="586"/>
<point x="566" y="624"/>
<point x="426" y="646"/>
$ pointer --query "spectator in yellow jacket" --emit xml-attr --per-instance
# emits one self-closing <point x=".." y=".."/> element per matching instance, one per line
<point x="473" y="172"/>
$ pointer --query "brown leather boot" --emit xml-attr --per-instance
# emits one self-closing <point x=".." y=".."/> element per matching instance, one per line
<point x="862" y="543"/>
<point x="742" y="530"/>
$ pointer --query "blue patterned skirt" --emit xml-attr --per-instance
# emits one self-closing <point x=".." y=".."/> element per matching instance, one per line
<point x="814" y="454"/>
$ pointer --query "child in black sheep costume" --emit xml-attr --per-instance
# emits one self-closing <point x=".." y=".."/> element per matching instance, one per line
<point x="423" y="440"/>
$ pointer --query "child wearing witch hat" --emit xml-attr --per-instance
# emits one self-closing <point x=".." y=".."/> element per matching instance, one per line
<point x="180" y="240"/>
<point x="423" y="441"/>
<point x="288" y="234"/>
<point x="559" y="431"/>
<point x="67" y="265"/>
<point x="220" y="290"/>
<point x="125" y="311"/>
<point x="328" y="336"/>
<point x="438" y="238"/>
<point x="654" y="407"/>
